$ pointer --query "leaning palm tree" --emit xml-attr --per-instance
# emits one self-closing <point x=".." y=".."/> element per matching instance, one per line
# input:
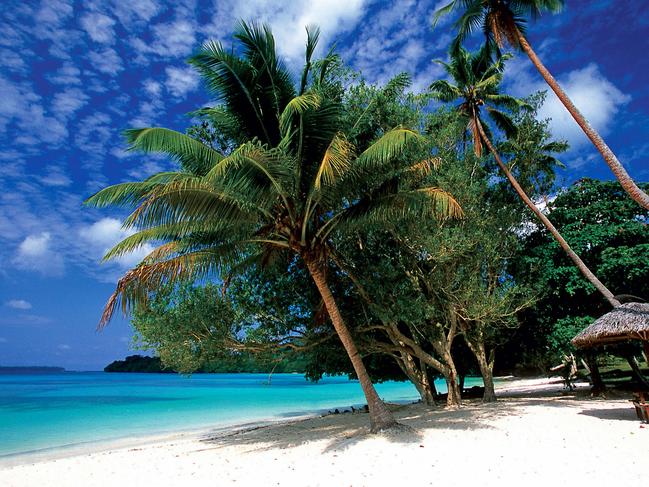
<point x="287" y="192"/>
<point x="504" y="21"/>
<point x="477" y="79"/>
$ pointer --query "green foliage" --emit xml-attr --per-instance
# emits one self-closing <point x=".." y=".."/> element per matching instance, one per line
<point x="608" y="231"/>
<point x="289" y="188"/>
<point x="498" y="20"/>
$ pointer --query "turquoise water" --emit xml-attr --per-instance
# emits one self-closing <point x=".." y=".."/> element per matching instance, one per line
<point x="49" y="411"/>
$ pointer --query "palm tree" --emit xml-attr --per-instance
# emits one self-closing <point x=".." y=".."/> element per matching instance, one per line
<point x="477" y="81"/>
<point x="504" y="21"/>
<point x="290" y="186"/>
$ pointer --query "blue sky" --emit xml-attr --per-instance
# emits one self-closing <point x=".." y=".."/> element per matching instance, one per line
<point x="73" y="75"/>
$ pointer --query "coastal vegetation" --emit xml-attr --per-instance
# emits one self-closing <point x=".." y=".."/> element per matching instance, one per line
<point x="331" y="226"/>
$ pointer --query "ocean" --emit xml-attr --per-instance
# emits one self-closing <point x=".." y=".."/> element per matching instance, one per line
<point x="40" y="412"/>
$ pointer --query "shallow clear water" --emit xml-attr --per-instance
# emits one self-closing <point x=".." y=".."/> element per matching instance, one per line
<point x="47" y="411"/>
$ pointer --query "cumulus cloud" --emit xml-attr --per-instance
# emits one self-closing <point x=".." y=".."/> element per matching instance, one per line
<point x="35" y="254"/>
<point x="598" y="99"/>
<point x="288" y="20"/>
<point x="102" y="235"/>
<point x="19" y="304"/>
<point x="99" y="27"/>
<point x="181" y="81"/>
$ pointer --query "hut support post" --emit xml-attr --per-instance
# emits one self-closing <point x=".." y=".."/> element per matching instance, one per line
<point x="645" y="345"/>
<point x="595" y="377"/>
<point x="635" y="368"/>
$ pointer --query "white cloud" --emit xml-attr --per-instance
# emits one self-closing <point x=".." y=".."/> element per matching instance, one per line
<point x="102" y="235"/>
<point x="35" y="254"/>
<point x="34" y="245"/>
<point x="288" y="20"/>
<point x="106" y="61"/>
<point x="175" y="38"/>
<point x="49" y="24"/>
<point x="99" y="27"/>
<point x="19" y="304"/>
<point x="181" y="81"/>
<point x="67" y="102"/>
<point x="135" y="11"/>
<point x="152" y="87"/>
<point x="64" y="347"/>
<point x="598" y="99"/>
<point x="393" y="41"/>
<point x="55" y="176"/>
<point x="19" y="104"/>
<point x="68" y="74"/>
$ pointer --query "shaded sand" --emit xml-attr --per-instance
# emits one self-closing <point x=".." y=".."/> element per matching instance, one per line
<point x="536" y="434"/>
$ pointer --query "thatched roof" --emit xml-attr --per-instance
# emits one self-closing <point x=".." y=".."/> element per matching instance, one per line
<point x="629" y="321"/>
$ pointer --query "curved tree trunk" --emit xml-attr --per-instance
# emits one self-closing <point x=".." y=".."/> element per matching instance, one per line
<point x="548" y="224"/>
<point x="418" y="376"/>
<point x="486" y="368"/>
<point x="380" y="416"/>
<point x="454" y="397"/>
<point x="620" y="173"/>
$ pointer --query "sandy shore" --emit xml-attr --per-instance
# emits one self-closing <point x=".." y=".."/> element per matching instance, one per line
<point x="536" y="434"/>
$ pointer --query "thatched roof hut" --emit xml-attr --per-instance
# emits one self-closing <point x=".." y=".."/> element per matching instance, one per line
<point x="629" y="321"/>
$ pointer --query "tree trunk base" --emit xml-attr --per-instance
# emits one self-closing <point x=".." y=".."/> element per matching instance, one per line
<point x="391" y="427"/>
<point x="489" y="397"/>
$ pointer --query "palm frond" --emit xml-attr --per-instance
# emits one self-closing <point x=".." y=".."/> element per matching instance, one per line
<point x="312" y="37"/>
<point x="392" y="144"/>
<point x="336" y="161"/>
<point x="397" y="208"/>
<point x="134" y="288"/>
<point x="194" y="156"/>
<point x="297" y="106"/>
<point x="131" y="194"/>
<point x="503" y="122"/>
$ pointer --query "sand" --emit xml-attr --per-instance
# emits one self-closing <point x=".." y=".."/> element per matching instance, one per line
<point x="536" y="434"/>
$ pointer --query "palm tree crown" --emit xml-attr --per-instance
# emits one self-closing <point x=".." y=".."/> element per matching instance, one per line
<point x="499" y="20"/>
<point x="477" y="81"/>
<point x="290" y="182"/>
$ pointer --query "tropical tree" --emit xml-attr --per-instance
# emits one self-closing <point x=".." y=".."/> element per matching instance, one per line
<point x="610" y="234"/>
<point x="291" y="183"/>
<point x="504" y="21"/>
<point x="477" y="81"/>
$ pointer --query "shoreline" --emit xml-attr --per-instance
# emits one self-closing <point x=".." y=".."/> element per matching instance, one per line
<point x="189" y="434"/>
<point x="503" y="384"/>
<point x="537" y="430"/>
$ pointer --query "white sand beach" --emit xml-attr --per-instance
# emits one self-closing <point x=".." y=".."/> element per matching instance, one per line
<point x="537" y="434"/>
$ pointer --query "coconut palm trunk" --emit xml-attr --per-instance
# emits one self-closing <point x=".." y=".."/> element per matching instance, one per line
<point x="586" y="272"/>
<point x="620" y="173"/>
<point x="380" y="416"/>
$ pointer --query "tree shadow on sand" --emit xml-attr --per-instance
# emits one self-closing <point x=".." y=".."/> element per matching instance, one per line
<point x="344" y="430"/>
<point x="340" y="431"/>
